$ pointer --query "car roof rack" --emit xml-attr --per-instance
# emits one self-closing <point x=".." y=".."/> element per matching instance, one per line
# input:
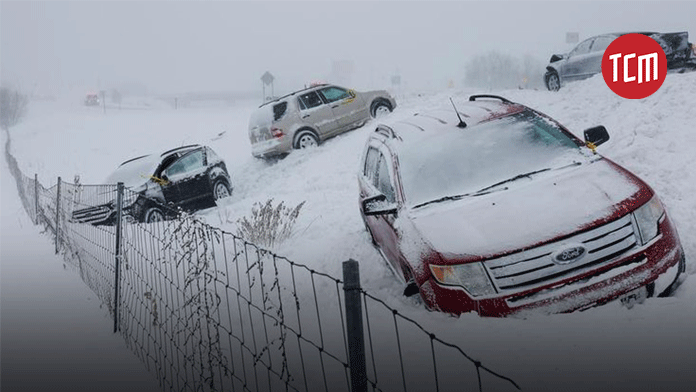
<point x="133" y="159"/>
<point x="179" y="148"/>
<point x="475" y="97"/>
<point x="386" y="131"/>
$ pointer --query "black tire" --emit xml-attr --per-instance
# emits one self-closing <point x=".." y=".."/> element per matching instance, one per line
<point x="305" y="139"/>
<point x="221" y="189"/>
<point x="153" y="214"/>
<point x="380" y="108"/>
<point x="553" y="82"/>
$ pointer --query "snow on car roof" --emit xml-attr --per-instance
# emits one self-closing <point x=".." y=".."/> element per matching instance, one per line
<point x="421" y="125"/>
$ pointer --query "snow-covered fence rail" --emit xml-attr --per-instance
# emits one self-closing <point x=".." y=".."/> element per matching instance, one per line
<point x="206" y="310"/>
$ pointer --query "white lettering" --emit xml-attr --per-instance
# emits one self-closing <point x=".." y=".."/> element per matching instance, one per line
<point x="645" y="59"/>
<point x="628" y="79"/>
<point x="615" y="61"/>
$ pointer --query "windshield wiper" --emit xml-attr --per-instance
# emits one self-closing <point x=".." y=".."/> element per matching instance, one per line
<point x="515" y="178"/>
<point x="482" y="191"/>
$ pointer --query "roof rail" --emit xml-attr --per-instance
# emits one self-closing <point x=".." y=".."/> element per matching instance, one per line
<point x="179" y="148"/>
<point x="475" y="97"/>
<point x="386" y="131"/>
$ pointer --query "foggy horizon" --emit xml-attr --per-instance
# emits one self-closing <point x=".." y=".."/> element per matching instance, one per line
<point x="51" y="48"/>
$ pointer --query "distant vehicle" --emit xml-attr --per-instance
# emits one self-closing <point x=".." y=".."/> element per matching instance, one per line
<point x="307" y="117"/>
<point x="507" y="212"/>
<point x="585" y="60"/>
<point x="191" y="177"/>
<point x="92" y="100"/>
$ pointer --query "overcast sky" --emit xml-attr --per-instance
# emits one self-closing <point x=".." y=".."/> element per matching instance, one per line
<point x="173" y="47"/>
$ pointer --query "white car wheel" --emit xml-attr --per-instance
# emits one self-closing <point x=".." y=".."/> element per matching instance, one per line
<point x="221" y="190"/>
<point x="380" y="110"/>
<point x="153" y="214"/>
<point x="307" y="140"/>
<point x="553" y="83"/>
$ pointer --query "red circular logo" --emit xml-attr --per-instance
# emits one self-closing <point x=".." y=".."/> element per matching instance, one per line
<point x="634" y="66"/>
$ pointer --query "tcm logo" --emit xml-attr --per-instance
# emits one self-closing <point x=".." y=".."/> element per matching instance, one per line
<point x="634" y="66"/>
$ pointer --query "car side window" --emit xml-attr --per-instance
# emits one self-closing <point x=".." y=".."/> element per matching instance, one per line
<point x="384" y="184"/>
<point x="310" y="100"/>
<point x="187" y="163"/>
<point x="582" y="48"/>
<point x="370" y="169"/>
<point x="333" y="93"/>
<point x="601" y="43"/>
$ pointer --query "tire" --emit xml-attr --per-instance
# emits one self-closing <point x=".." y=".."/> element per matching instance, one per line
<point x="221" y="190"/>
<point x="380" y="109"/>
<point x="553" y="82"/>
<point x="153" y="214"/>
<point x="306" y="139"/>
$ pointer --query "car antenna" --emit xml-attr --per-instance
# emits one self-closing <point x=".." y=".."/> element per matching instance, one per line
<point x="461" y="124"/>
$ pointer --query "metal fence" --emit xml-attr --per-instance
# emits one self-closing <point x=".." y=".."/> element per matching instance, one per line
<point x="206" y="310"/>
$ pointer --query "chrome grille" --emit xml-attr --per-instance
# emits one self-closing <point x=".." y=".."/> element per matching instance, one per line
<point x="535" y="267"/>
<point x="92" y="214"/>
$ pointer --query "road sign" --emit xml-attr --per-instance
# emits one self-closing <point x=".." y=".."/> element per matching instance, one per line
<point x="267" y="78"/>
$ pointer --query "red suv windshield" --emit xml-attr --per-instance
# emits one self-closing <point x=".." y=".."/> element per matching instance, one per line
<point x="468" y="160"/>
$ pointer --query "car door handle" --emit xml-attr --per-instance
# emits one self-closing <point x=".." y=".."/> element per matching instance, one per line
<point x="334" y="107"/>
<point x="305" y="116"/>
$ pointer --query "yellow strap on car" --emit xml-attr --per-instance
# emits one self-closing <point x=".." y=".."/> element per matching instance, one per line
<point x="158" y="180"/>
<point x="591" y="146"/>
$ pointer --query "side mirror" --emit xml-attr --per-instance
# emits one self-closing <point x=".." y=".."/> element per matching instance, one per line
<point x="378" y="205"/>
<point x="596" y="135"/>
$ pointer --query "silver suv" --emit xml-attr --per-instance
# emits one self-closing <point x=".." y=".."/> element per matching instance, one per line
<point x="307" y="117"/>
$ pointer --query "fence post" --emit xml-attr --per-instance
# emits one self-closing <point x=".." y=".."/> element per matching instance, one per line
<point x="58" y="217"/>
<point x="36" y="199"/>
<point x="354" y="326"/>
<point x="117" y="266"/>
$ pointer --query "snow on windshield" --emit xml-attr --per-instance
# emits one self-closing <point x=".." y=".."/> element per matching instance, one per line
<point x="467" y="160"/>
<point x="135" y="172"/>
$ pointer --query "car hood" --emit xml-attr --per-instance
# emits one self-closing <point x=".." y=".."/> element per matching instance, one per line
<point x="528" y="213"/>
<point x="136" y="172"/>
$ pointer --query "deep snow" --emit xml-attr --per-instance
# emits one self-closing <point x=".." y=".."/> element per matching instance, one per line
<point x="606" y="348"/>
<point x="55" y="334"/>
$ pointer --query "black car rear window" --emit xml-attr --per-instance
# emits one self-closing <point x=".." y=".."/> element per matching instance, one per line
<point x="279" y="110"/>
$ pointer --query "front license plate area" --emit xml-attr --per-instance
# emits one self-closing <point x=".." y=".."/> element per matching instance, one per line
<point x="634" y="297"/>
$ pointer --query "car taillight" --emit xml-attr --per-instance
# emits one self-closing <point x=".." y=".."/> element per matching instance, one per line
<point x="277" y="132"/>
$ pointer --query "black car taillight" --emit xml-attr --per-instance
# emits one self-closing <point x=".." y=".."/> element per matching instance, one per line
<point x="277" y="132"/>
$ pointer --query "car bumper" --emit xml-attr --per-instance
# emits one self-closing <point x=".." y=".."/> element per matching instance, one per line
<point x="271" y="147"/>
<point x="657" y="262"/>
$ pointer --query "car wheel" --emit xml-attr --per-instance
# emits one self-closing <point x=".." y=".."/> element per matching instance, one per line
<point x="153" y="214"/>
<point x="553" y="83"/>
<point x="380" y="109"/>
<point x="306" y="139"/>
<point x="221" y="190"/>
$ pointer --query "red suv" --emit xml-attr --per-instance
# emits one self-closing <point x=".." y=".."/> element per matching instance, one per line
<point x="498" y="209"/>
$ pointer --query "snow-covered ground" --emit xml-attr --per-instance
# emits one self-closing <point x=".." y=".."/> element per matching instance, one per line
<point x="649" y="347"/>
<point x="56" y="336"/>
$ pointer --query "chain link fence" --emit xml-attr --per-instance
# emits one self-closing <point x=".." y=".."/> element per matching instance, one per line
<point x="206" y="310"/>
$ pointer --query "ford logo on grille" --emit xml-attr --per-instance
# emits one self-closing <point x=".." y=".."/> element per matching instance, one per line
<point x="569" y="254"/>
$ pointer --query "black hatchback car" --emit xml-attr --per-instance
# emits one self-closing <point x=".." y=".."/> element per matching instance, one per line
<point x="585" y="60"/>
<point x="190" y="177"/>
